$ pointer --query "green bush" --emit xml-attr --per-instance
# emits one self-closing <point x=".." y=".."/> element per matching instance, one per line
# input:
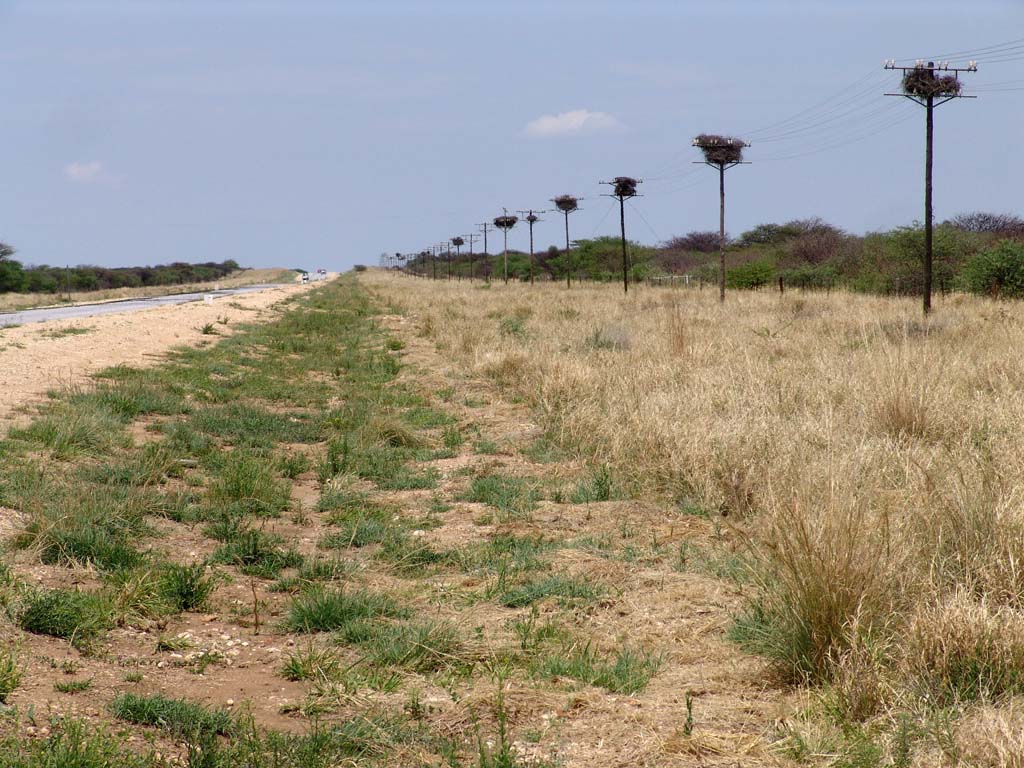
<point x="753" y="274"/>
<point x="998" y="271"/>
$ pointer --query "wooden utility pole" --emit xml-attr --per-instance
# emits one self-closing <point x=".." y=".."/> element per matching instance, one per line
<point x="487" y="256"/>
<point x="471" y="238"/>
<point x="922" y="86"/>
<point x="531" y="218"/>
<point x="624" y="189"/>
<point x="567" y="204"/>
<point x="505" y="223"/>
<point x="721" y="153"/>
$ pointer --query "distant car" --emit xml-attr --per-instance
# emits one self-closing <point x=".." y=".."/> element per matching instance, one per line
<point x="305" y="277"/>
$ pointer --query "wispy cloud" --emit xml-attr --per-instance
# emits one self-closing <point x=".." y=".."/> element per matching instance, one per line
<point x="576" y="122"/>
<point x="84" y="173"/>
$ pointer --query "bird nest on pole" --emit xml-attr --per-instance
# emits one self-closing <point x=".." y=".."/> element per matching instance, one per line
<point x="457" y="241"/>
<point x="720" y="150"/>
<point x="533" y="218"/>
<point x="922" y="82"/>
<point x="566" y="203"/>
<point x="505" y="222"/>
<point x="625" y="186"/>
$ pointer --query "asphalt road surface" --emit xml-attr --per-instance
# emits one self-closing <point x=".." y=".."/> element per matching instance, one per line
<point x="126" y="305"/>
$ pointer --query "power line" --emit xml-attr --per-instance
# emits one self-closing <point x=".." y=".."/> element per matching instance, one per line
<point x="644" y="220"/>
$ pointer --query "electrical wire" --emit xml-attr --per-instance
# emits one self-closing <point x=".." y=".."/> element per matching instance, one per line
<point x="599" y="223"/>
<point x="643" y="218"/>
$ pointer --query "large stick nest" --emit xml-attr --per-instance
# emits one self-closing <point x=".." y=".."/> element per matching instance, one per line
<point x="625" y="186"/>
<point x="533" y="218"/>
<point x="566" y="203"/>
<point x="506" y="222"/>
<point x="924" y="82"/>
<point x="458" y="241"/>
<point x="720" y="150"/>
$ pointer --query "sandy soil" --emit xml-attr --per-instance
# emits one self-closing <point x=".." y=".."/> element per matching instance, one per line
<point x="40" y="357"/>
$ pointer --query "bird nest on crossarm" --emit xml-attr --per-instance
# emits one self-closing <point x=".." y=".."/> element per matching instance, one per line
<point x="625" y="186"/>
<point x="505" y="222"/>
<point x="924" y="82"/>
<point x="720" y="150"/>
<point x="566" y="203"/>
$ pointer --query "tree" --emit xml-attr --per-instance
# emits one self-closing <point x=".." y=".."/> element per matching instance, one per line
<point x="701" y="242"/>
<point x="12" y="276"/>
<point x="1005" y="224"/>
<point x="998" y="272"/>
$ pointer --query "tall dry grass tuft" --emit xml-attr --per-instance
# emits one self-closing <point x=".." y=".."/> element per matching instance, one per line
<point x="829" y="580"/>
<point x="992" y="737"/>
<point x="874" y="461"/>
<point x="964" y="649"/>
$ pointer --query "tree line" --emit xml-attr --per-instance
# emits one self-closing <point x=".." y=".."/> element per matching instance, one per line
<point x="18" y="278"/>
<point x="975" y="252"/>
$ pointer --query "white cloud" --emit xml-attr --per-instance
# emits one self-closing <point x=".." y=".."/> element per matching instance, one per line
<point x="576" y="122"/>
<point x="84" y="173"/>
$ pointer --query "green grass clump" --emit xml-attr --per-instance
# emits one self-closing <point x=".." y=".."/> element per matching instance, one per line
<point x="406" y="479"/>
<point x="505" y="553"/>
<point x="10" y="673"/>
<point x="89" y="546"/>
<point x="314" y="572"/>
<point x="627" y="672"/>
<point x="357" y="531"/>
<point x="149" y="467"/>
<point x="248" y="426"/>
<point x="73" y="686"/>
<point x="322" y="610"/>
<point x="421" y="647"/>
<point x="291" y="465"/>
<point x="598" y="487"/>
<point x="80" y="617"/>
<point x="567" y="589"/>
<point x="514" y="497"/>
<point x="179" y="717"/>
<point x="256" y="553"/>
<point x="423" y="417"/>
<point x="72" y="744"/>
<point x="73" y="430"/>
<point x="452" y="437"/>
<point x="130" y="398"/>
<point x="72" y="524"/>
<point x="410" y="554"/>
<point x="186" y="587"/>
<point x="248" y="485"/>
<point x="311" y="664"/>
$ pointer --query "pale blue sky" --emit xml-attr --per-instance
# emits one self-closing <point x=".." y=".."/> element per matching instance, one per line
<point x="318" y="134"/>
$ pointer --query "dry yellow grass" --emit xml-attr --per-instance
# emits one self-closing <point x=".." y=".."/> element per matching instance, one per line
<point x="873" y="459"/>
<point x="16" y="301"/>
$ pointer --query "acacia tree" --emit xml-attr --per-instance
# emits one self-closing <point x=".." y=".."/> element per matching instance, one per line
<point x="12" y="276"/>
<point x="701" y="242"/>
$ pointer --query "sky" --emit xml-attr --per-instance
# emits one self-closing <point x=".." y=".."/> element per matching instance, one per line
<point x="316" y="134"/>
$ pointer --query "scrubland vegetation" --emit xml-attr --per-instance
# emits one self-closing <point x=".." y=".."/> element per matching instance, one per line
<point x="288" y="547"/>
<point x="980" y="253"/>
<point x="455" y="524"/>
<point x="865" y="462"/>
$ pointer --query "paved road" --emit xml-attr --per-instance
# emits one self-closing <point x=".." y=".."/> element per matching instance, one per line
<point x="112" y="307"/>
